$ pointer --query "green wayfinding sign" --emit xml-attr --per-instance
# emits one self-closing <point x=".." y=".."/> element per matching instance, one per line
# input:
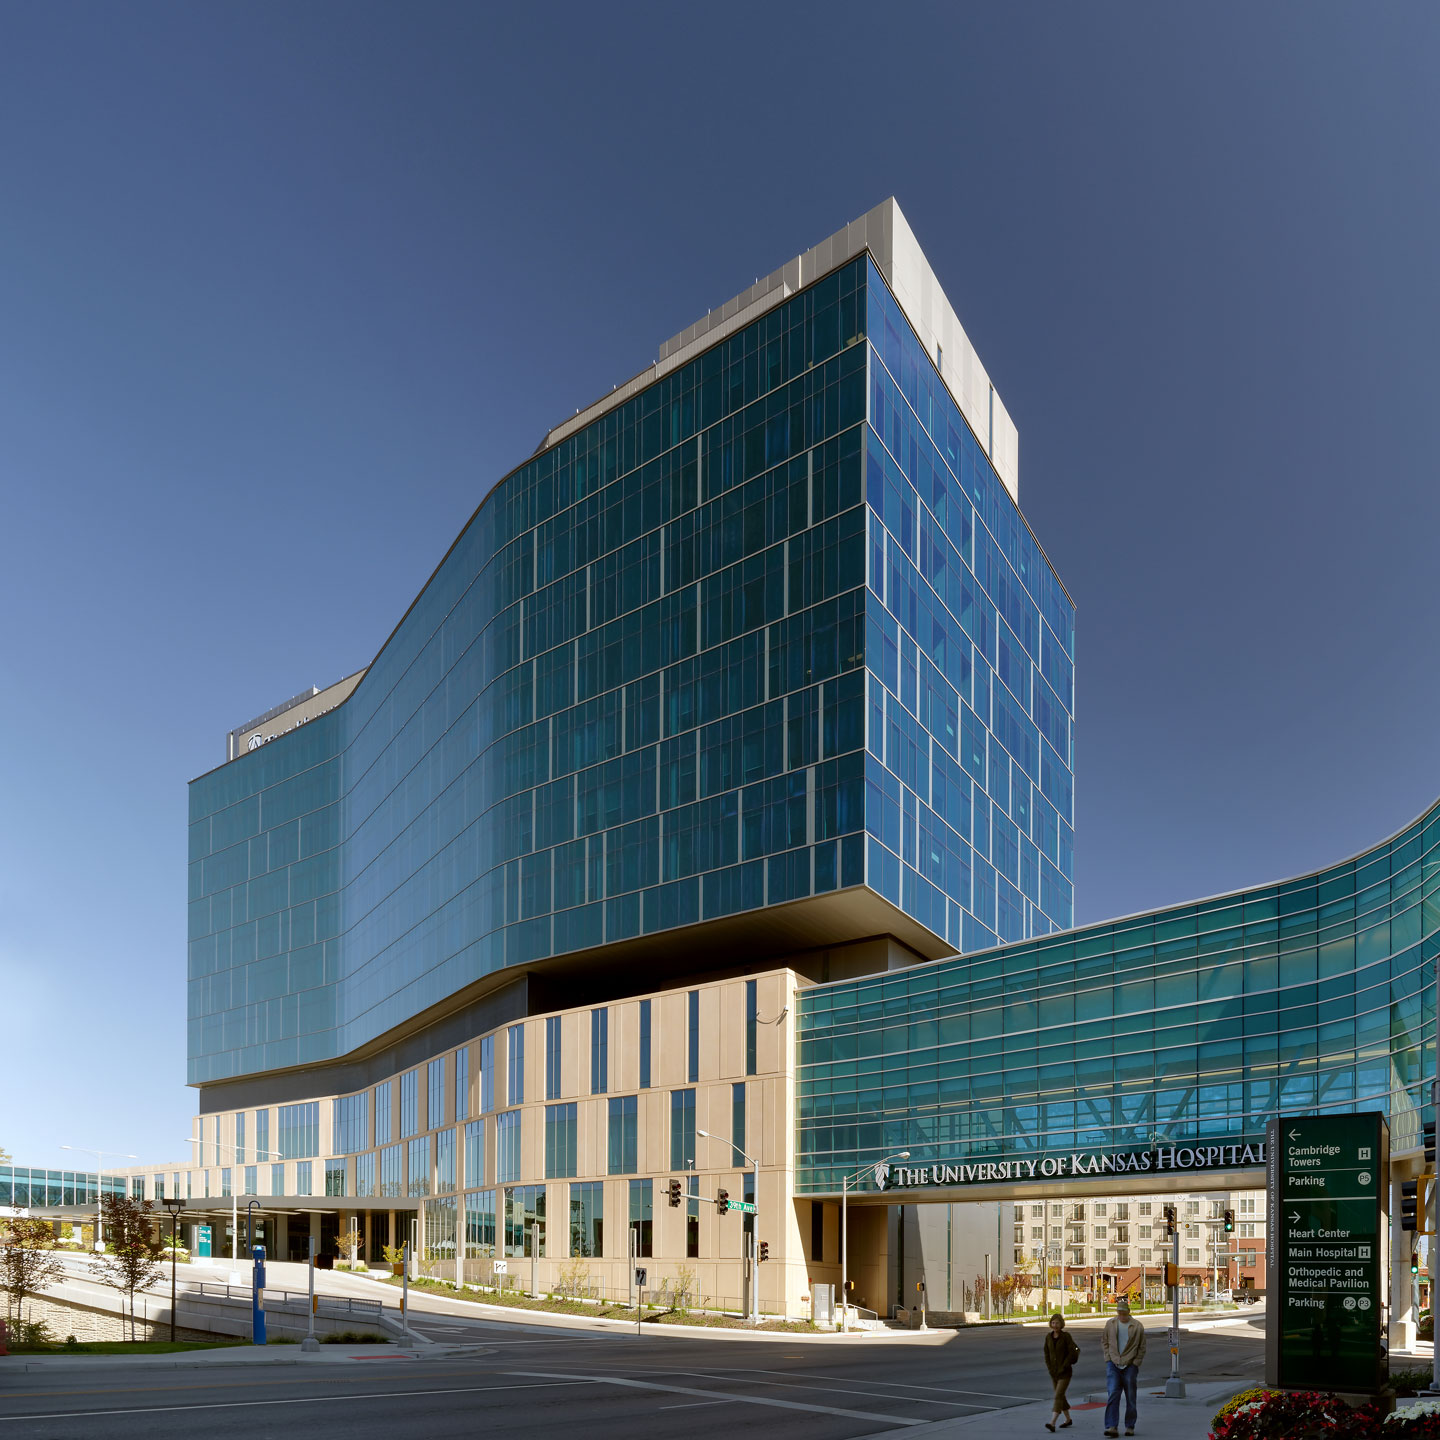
<point x="1325" y="1195"/>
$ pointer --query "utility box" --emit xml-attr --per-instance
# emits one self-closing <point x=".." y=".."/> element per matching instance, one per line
<point x="822" y="1304"/>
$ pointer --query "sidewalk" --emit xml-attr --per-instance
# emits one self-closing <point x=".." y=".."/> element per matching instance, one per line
<point x="1187" y="1419"/>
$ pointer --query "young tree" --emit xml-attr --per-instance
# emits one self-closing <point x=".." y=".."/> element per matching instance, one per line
<point x="135" y="1249"/>
<point x="5" y="1156"/>
<point x="352" y="1240"/>
<point x="28" y="1264"/>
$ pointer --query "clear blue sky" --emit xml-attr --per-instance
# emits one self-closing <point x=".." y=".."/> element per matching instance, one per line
<point x="285" y="288"/>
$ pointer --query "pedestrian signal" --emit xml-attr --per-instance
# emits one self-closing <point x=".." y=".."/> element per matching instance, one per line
<point x="1172" y="1274"/>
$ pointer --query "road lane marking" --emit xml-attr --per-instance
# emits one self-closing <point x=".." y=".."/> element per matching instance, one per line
<point x="694" y="1404"/>
<point x="833" y="1387"/>
<point x="736" y="1399"/>
<point x="893" y="1384"/>
<point x="292" y="1400"/>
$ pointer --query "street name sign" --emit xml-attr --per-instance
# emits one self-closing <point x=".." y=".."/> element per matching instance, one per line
<point x="743" y="1206"/>
<point x="1326" y="1178"/>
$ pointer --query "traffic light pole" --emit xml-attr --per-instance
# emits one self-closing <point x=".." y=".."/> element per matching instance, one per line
<point x="1175" y="1386"/>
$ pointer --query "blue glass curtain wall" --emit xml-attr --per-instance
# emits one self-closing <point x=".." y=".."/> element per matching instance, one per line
<point x="1191" y="1023"/>
<point x="636" y="693"/>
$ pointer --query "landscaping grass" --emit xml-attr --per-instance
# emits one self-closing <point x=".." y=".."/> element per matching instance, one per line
<point x="598" y="1310"/>
<point x="123" y="1347"/>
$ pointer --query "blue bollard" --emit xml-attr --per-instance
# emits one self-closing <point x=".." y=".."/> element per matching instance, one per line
<point x="257" y="1311"/>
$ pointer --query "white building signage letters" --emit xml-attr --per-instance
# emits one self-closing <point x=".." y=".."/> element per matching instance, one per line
<point x="1162" y="1160"/>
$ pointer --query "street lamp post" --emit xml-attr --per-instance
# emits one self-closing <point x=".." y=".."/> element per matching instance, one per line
<point x="845" y="1236"/>
<point x="754" y="1265"/>
<point x="99" y="1178"/>
<point x="174" y="1204"/>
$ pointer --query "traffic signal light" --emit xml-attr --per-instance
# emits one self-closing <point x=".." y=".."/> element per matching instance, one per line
<point x="1169" y="1219"/>
<point x="1430" y="1142"/>
<point x="1414" y="1262"/>
<point x="674" y="1196"/>
<point x="764" y="1251"/>
<point x="1229" y="1221"/>
<point x="722" y="1201"/>
<point x="1410" y="1205"/>
<point x="1172" y="1274"/>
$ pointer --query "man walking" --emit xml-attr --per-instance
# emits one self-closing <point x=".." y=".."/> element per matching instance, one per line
<point x="1122" y="1342"/>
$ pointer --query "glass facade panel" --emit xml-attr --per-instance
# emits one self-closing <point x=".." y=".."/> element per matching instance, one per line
<point x="623" y="1135"/>
<point x="299" y="1127"/>
<point x="692" y="1033"/>
<point x="335" y="1177"/>
<point x="391" y="1165"/>
<point x="474" y="1154"/>
<point x="383" y="1119"/>
<point x="462" y="1082"/>
<point x="525" y="1220"/>
<point x="561" y="1138"/>
<point x="653" y="656"/>
<point x="554" y="1056"/>
<point x="599" y="1051"/>
<point x="644" y="1044"/>
<point x="351" y="1123"/>
<point x="1194" y="1024"/>
<point x="515" y="1065"/>
<point x="507" y="1146"/>
<point x="409" y="1103"/>
<point x="418" y="1172"/>
<point x="682" y="1129"/>
<point x="435" y="1094"/>
<point x="642" y="1218"/>
<point x="444" y="1161"/>
<point x="480" y="1225"/>
<point x="365" y="1174"/>
<point x="587" y="1220"/>
<point x="487" y="1074"/>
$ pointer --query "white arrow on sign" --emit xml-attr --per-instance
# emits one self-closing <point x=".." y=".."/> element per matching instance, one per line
<point x="1294" y="1134"/>
<point x="1295" y="1216"/>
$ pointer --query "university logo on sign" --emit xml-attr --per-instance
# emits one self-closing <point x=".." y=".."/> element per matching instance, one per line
<point x="1163" y="1159"/>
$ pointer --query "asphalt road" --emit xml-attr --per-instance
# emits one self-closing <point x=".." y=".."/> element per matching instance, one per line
<point x="514" y="1380"/>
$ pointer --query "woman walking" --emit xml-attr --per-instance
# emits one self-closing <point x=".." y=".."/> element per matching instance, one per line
<point x="1061" y="1353"/>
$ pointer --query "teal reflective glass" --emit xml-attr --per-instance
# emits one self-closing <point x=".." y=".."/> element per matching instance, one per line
<point x="1187" y="1024"/>
<point x="635" y="695"/>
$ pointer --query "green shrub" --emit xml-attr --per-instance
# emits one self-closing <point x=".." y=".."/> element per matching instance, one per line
<point x="353" y="1337"/>
<point x="1410" y="1380"/>
<point x="27" y="1334"/>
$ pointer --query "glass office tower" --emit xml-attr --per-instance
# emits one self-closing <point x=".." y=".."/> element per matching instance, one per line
<point x="761" y="658"/>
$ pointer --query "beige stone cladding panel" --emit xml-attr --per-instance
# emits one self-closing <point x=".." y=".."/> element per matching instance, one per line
<point x="653" y="1134"/>
<point x="591" y="1142"/>
<point x="625" y="1047"/>
<point x="472" y="1088"/>
<point x="669" y="1040"/>
<point x="575" y="1068"/>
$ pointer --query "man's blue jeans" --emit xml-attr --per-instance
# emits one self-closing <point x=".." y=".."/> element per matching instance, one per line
<point x="1120" y="1381"/>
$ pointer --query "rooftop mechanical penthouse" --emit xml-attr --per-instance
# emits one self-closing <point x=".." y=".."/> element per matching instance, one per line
<point x="754" y="661"/>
